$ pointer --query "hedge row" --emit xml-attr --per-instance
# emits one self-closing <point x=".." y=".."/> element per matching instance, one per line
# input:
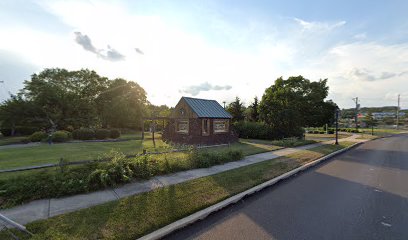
<point x="79" y="134"/>
<point x="20" y="130"/>
<point x="88" y="134"/>
<point x="257" y="130"/>
<point x="58" y="136"/>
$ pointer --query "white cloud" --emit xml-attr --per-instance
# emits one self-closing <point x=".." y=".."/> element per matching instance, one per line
<point x="368" y="70"/>
<point x="360" y="36"/>
<point x="174" y="59"/>
<point x="319" y="26"/>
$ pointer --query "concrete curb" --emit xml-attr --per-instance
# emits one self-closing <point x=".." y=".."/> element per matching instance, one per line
<point x="200" y="215"/>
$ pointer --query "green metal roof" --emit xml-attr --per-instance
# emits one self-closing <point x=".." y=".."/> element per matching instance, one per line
<point x="205" y="108"/>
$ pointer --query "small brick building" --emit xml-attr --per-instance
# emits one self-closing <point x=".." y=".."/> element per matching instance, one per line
<point x="199" y="122"/>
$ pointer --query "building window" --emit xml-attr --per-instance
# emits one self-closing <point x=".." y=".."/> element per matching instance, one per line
<point x="205" y="127"/>
<point x="182" y="126"/>
<point x="220" y="126"/>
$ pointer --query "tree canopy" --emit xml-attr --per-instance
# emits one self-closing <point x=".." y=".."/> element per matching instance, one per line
<point x="64" y="99"/>
<point x="236" y="109"/>
<point x="296" y="102"/>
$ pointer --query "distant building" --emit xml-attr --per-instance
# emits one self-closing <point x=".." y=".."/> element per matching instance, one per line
<point x="382" y="115"/>
<point x="199" y="121"/>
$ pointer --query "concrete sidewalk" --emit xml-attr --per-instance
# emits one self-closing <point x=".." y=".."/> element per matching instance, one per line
<point x="45" y="208"/>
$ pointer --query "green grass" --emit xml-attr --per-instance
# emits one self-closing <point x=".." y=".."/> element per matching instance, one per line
<point x="276" y="144"/>
<point x="381" y="131"/>
<point x="326" y="136"/>
<point x="44" y="153"/>
<point x="135" y="216"/>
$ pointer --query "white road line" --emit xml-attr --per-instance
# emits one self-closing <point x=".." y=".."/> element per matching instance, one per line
<point x="386" y="224"/>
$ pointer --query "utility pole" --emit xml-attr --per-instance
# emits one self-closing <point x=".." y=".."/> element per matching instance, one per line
<point x="356" y="113"/>
<point x="337" y="127"/>
<point x="398" y="108"/>
<point x="224" y="103"/>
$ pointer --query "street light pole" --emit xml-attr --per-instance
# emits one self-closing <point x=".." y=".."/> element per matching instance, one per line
<point x="398" y="108"/>
<point x="356" y="111"/>
<point x="337" y="126"/>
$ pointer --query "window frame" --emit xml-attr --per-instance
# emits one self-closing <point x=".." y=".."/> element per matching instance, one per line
<point x="186" y="121"/>
<point x="203" y="127"/>
<point x="226" y="123"/>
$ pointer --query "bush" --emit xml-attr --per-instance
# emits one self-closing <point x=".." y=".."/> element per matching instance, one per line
<point x="83" y="134"/>
<point x="38" y="136"/>
<point x="20" y="130"/>
<point x="25" y="131"/>
<point x="25" y="140"/>
<point x="205" y="159"/>
<point x="114" y="133"/>
<point x="102" y="133"/>
<point x="259" y="130"/>
<point x="94" y="176"/>
<point x="61" y="136"/>
<point x="6" y="132"/>
<point x="253" y="130"/>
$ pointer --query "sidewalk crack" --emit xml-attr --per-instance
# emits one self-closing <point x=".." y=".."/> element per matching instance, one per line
<point x="115" y="193"/>
<point x="157" y="180"/>
<point x="49" y="207"/>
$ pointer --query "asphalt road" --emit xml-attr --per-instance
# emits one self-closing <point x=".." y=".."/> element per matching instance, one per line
<point x="361" y="194"/>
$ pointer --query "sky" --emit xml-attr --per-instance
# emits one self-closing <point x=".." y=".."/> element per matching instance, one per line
<point x="214" y="49"/>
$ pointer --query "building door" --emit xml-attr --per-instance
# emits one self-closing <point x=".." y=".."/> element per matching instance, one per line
<point x="205" y="127"/>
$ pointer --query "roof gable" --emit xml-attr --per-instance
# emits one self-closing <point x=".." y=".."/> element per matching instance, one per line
<point x="205" y="108"/>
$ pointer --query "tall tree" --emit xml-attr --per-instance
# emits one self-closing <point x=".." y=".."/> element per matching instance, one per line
<point x="296" y="102"/>
<point x="122" y="104"/>
<point x="236" y="109"/>
<point x="66" y="97"/>
<point x="254" y="111"/>
<point x="16" y="111"/>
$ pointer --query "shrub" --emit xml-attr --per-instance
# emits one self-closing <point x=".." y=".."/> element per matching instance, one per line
<point x="331" y="132"/>
<point x="38" y="136"/>
<point x="20" y="130"/>
<point x="23" y="130"/>
<point x="205" y="159"/>
<point x="61" y="136"/>
<point x="6" y="132"/>
<point x="253" y="130"/>
<point x="102" y="133"/>
<point x="99" y="178"/>
<point x="114" y="133"/>
<point x="83" y="134"/>
<point x="25" y="140"/>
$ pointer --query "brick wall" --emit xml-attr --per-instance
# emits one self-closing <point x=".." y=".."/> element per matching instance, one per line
<point x="194" y="136"/>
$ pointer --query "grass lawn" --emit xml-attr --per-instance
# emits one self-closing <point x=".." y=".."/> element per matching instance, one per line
<point x="135" y="216"/>
<point x="325" y="137"/>
<point x="366" y="136"/>
<point x="381" y="131"/>
<point x="44" y="153"/>
<point x="277" y="143"/>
